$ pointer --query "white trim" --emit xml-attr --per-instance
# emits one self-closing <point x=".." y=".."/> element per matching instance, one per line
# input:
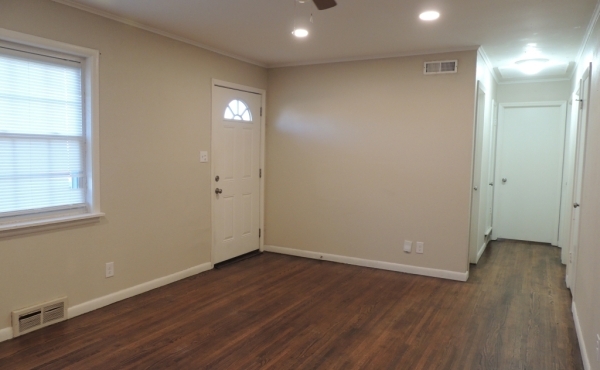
<point x="529" y="80"/>
<point x="374" y="57"/>
<point x="587" y="35"/>
<point x="15" y="228"/>
<point x="220" y="83"/>
<point x="186" y="40"/>
<point x="94" y="304"/>
<point x="157" y="31"/>
<point x="580" y="338"/>
<point x="97" y="303"/>
<point x="488" y="63"/>
<point x="6" y="334"/>
<point x="481" y="250"/>
<point x="91" y="80"/>
<point x="391" y="266"/>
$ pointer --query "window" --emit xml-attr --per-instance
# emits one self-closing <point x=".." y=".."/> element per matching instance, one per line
<point x="237" y="110"/>
<point x="48" y="132"/>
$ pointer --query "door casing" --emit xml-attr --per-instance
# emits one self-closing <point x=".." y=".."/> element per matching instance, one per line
<point x="216" y="84"/>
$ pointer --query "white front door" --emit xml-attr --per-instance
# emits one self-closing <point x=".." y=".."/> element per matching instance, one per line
<point x="578" y="180"/>
<point x="236" y="125"/>
<point x="529" y="171"/>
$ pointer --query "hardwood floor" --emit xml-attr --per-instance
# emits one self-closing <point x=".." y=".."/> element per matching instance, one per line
<point x="281" y="312"/>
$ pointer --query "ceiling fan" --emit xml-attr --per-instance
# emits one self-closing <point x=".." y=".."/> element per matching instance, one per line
<point x="324" y="4"/>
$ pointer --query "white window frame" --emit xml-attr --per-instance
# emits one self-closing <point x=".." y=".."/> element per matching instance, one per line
<point x="90" y="82"/>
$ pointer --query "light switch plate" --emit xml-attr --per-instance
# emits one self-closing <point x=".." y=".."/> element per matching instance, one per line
<point x="203" y="157"/>
<point x="407" y="246"/>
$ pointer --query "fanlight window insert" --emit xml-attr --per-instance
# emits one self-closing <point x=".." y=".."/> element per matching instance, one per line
<point x="237" y="110"/>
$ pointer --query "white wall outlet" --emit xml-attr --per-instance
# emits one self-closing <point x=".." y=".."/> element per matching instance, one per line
<point x="420" y="247"/>
<point x="203" y="157"/>
<point x="110" y="269"/>
<point x="407" y="246"/>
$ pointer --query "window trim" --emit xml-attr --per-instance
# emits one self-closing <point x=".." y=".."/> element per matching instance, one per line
<point x="90" y="80"/>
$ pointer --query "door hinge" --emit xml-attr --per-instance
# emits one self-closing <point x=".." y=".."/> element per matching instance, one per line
<point x="260" y="173"/>
<point x="261" y="111"/>
<point x="580" y="103"/>
<point x="259" y="232"/>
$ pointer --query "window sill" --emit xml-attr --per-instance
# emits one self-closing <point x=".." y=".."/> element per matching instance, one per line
<point x="30" y="226"/>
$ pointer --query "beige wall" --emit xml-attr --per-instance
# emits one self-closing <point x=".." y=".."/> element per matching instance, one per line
<point x="587" y="293"/>
<point x="363" y="155"/>
<point x="155" y="104"/>
<point x="534" y="91"/>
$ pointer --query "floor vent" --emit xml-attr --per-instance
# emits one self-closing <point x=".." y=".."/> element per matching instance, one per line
<point x="36" y="317"/>
<point x="444" y="66"/>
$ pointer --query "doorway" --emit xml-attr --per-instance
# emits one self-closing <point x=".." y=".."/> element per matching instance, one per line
<point x="529" y="171"/>
<point x="237" y="157"/>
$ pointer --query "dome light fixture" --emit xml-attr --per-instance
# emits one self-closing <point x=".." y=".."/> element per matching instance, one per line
<point x="300" y="32"/>
<point x="532" y="66"/>
<point x="430" y="15"/>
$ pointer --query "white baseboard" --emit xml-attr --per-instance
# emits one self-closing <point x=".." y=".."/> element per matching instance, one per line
<point x="584" y="355"/>
<point x="6" y="334"/>
<point x="444" y="274"/>
<point x="97" y="303"/>
<point x="481" y="250"/>
<point x="94" y="304"/>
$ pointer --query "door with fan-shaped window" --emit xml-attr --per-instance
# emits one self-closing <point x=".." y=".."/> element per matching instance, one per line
<point x="236" y="126"/>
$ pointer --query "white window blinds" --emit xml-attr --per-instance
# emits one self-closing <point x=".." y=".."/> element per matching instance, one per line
<point x="42" y="138"/>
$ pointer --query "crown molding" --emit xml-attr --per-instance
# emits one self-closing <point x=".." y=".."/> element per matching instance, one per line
<point x="588" y="34"/>
<point x="373" y="57"/>
<point x="157" y="31"/>
<point x="488" y="63"/>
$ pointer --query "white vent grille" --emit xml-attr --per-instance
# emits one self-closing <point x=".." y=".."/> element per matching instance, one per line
<point x="30" y="320"/>
<point x="38" y="316"/>
<point x="54" y="312"/>
<point x="443" y="66"/>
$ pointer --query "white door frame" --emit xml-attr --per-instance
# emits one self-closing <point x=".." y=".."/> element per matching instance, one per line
<point x="475" y="249"/>
<point x="571" y="277"/>
<point x="230" y="85"/>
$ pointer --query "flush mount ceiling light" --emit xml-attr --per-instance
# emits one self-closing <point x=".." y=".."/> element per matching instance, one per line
<point x="300" y="32"/>
<point x="532" y="66"/>
<point x="430" y="15"/>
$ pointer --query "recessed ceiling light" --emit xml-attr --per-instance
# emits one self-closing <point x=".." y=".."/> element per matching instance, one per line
<point x="430" y="15"/>
<point x="532" y="66"/>
<point x="300" y="32"/>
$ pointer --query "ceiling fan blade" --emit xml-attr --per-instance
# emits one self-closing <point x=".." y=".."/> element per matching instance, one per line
<point x="324" y="4"/>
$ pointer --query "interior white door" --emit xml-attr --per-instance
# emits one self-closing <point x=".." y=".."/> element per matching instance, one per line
<point x="578" y="180"/>
<point x="529" y="171"/>
<point x="236" y="126"/>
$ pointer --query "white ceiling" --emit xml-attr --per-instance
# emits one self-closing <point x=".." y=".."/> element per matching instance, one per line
<point x="260" y="30"/>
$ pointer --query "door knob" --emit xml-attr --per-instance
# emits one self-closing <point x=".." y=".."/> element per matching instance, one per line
<point x="504" y="179"/>
<point x="575" y="205"/>
<point x="218" y="191"/>
<point x="475" y="188"/>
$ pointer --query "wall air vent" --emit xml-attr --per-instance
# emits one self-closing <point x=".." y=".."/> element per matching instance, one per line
<point x="36" y="317"/>
<point x="444" y="66"/>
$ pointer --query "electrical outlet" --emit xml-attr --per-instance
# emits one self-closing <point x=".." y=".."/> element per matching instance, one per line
<point x="420" y="247"/>
<point x="110" y="269"/>
<point x="203" y="157"/>
<point x="407" y="246"/>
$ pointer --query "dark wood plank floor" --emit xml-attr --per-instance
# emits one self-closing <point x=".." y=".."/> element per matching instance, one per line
<point x="281" y="312"/>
